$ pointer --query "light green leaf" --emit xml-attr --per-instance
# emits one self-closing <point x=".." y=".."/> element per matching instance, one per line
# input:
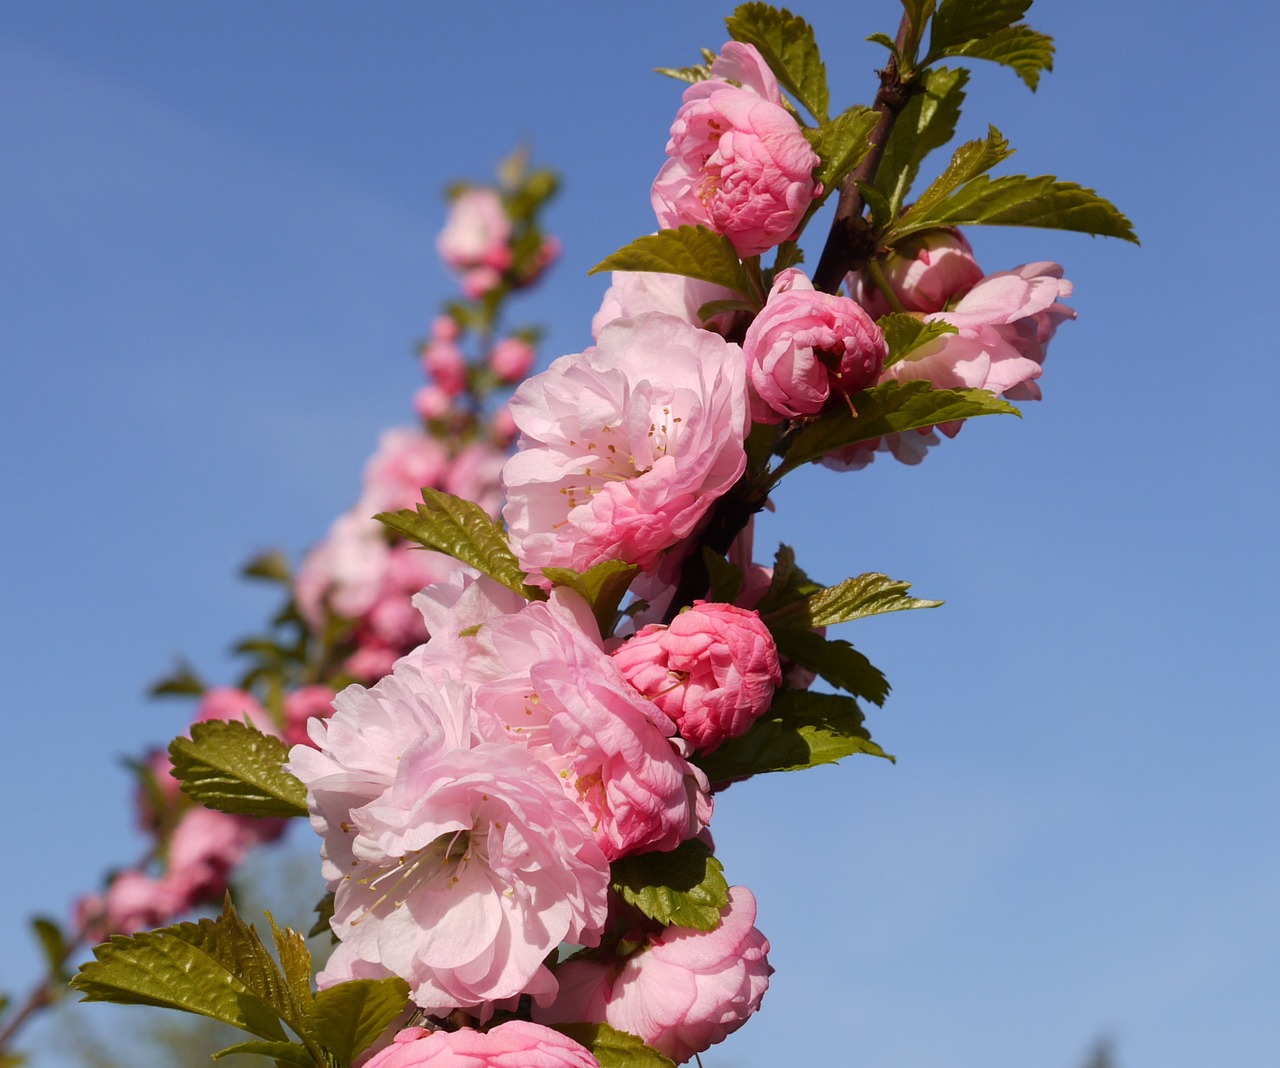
<point x="958" y="21"/>
<point x="787" y="44"/>
<point x="691" y="251"/>
<point x="602" y="587"/>
<point x="886" y="40"/>
<point x="801" y="730"/>
<point x="699" y="73"/>
<point x="969" y="160"/>
<point x="295" y="966"/>
<point x="613" y="1048"/>
<point x="291" y="1053"/>
<point x="836" y="661"/>
<point x="203" y="968"/>
<point x="1026" y="50"/>
<point x="841" y="144"/>
<point x="53" y="944"/>
<point x="889" y="408"/>
<point x="881" y="209"/>
<point x="927" y="123"/>
<point x="233" y="767"/>
<point x="870" y="594"/>
<point x="348" y="1017"/>
<point x="904" y="333"/>
<point x="272" y="565"/>
<point x="464" y="530"/>
<point x="181" y="682"/>
<point x="684" y="887"/>
<point x="1016" y="200"/>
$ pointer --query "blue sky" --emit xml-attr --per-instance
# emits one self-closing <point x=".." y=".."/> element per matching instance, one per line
<point x="218" y="248"/>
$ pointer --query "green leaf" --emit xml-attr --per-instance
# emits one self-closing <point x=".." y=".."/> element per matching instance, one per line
<point x="881" y="209"/>
<point x="292" y="1053"/>
<point x="889" y="408"/>
<point x="233" y="767"/>
<point x="1026" y="50"/>
<point x="969" y="160"/>
<point x="927" y="122"/>
<point x="789" y="582"/>
<point x="691" y="251"/>
<point x="464" y="530"/>
<point x="295" y="966"/>
<point x="324" y="913"/>
<point x="958" y="21"/>
<point x="181" y="682"/>
<point x="787" y="44"/>
<point x="836" y="661"/>
<point x="207" y="968"/>
<point x="272" y="566"/>
<point x="602" y="587"/>
<point x="712" y="308"/>
<point x="869" y="594"/>
<point x="685" y="887"/>
<point x="886" y="40"/>
<point x="348" y="1017"/>
<point x="613" y="1048"/>
<point x="1016" y="200"/>
<point x="904" y="333"/>
<point x="699" y="73"/>
<point x="801" y="730"/>
<point x="54" y="946"/>
<point x="841" y="144"/>
<point x="725" y="578"/>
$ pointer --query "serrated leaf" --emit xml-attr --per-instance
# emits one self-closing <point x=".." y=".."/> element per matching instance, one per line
<point x="881" y="209"/>
<point x="889" y="408"/>
<point x="789" y="582"/>
<point x="904" y="333"/>
<point x="602" y="587"/>
<point x="725" y="578"/>
<point x="1026" y="51"/>
<point x="787" y="44"/>
<point x="463" y="529"/>
<point x="884" y="39"/>
<point x="684" y="887"/>
<point x="282" y="1052"/>
<point x="836" y="661"/>
<point x="348" y="1017"/>
<point x="1016" y="200"/>
<point x="181" y="682"/>
<point x="295" y="966"/>
<point x="202" y="968"/>
<point x="613" y="1048"/>
<point x="53" y="944"/>
<point x="927" y="123"/>
<point x="690" y="251"/>
<point x="958" y="21"/>
<point x="841" y="144"/>
<point x="699" y="73"/>
<point x="801" y="730"/>
<point x="868" y="594"/>
<point x="233" y="767"/>
<point x="969" y="160"/>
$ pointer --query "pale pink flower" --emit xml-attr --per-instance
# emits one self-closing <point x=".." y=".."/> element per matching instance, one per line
<point x="740" y="164"/>
<point x="925" y="275"/>
<point x="431" y="402"/>
<point x="406" y="460"/>
<point x="623" y="449"/>
<point x="303" y="705"/>
<point x="134" y="901"/>
<point x="475" y="474"/>
<point x="515" y="1044"/>
<point x="713" y="670"/>
<point x="511" y="358"/>
<point x="634" y="293"/>
<point x="477" y="232"/>
<point x="804" y="345"/>
<point x="683" y="992"/>
<point x="502" y="428"/>
<point x="206" y="846"/>
<point x="228" y="703"/>
<point x="443" y="362"/>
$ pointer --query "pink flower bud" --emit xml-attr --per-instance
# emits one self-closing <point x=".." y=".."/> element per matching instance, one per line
<point x="924" y="274"/>
<point x="225" y="702"/>
<point x="502" y="427"/>
<point x="443" y="361"/>
<point x="511" y="359"/>
<point x="515" y="1044"/>
<point x="712" y="671"/>
<point x="477" y="232"/>
<point x="431" y="402"/>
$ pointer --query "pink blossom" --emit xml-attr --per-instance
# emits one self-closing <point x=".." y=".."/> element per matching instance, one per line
<point x="682" y="993"/>
<point x="515" y="1044"/>
<point x="457" y="865"/>
<point x="431" y="402"/>
<point x="511" y="358"/>
<point x="301" y="706"/>
<point x="443" y="362"/>
<point x="924" y="274"/>
<point x="406" y="460"/>
<point x="477" y="232"/>
<point x="739" y="163"/>
<point x="712" y="671"/>
<point x="206" y="846"/>
<point x="633" y="293"/>
<point x="134" y="901"/>
<point x="476" y="475"/>
<point x="502" y="428"/>
<point x="624" y="448"/>
<point x="804" y="345"/>
<point x="228" y="703"/>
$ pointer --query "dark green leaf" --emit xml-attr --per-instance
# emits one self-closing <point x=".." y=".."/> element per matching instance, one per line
<point x="691" y="251"/>
<point x="324" y="913"/>
<point x="291" y="1053"/>
<point x="464" y="530"/>
<point x="789" y="582"/>
<point x="958" y="21"/>
<point x="841" y="144"/>
<point x="233" y="767"/>
<point x="726" y="578"/>
<point x="207" y="968"/>
<point x="801" y="730"/>
<point x="273" y="566"/>
<point x="904" y="333"/>
<point x="1026" y="50"/>
<point x="685" y="887"/>
<point x="927" y="122"/>
<point x="181" y="682"/>
<point x="54" y="946"/>
<point x="613" y="1048"/>
<point x="836" y="661"/>
<point x="602" y="587"/>
<point x="712" y="308"/>
<point x="1016" y="200"/>
<point x="970" y="160"/>
<point x="787" y="44"/>
<point x="348" y="1017"/>
<point x="881" y="209"/>
<point x="889" y="408"/>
